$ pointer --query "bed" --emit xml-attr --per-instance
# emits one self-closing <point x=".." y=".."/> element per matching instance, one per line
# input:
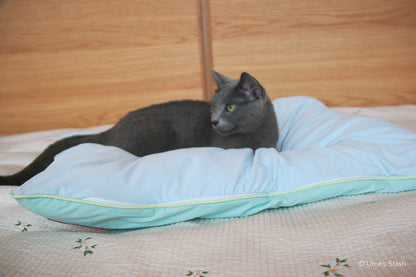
<point x="77" y="67"/>
<point x="374" y="233"/>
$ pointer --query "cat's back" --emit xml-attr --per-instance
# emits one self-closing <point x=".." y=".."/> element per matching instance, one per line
<point x="162" y="127"/>
<point x="175" y="110"/>
<point x="187" y="118"/>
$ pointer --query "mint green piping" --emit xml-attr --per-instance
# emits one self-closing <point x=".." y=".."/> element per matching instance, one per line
<point x="206" y="201"/>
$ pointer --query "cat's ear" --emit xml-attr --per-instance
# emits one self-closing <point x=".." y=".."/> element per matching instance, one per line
<point x="219" y="78"/>
<point x="249" y="87"/>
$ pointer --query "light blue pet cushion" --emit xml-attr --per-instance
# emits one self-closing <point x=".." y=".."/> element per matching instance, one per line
<point x="320" y="154"/>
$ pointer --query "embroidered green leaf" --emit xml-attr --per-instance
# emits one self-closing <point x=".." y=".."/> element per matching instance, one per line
<point x="87" y="252"/>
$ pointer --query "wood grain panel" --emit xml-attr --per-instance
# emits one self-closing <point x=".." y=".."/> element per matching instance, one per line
<point x="82" y="63"/>
<point x="346" y="53"/>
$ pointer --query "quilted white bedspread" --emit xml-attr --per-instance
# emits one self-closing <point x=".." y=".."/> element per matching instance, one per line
<point x="364" y="235"/>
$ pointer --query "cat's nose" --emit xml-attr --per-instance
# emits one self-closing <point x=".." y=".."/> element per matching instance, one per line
<point x="214" y="122"/>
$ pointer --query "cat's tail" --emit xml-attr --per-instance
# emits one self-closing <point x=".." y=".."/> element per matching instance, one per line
<point x="44" y="160"/>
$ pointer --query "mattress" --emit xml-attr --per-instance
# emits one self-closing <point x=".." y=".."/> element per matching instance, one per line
<point x="363" y="235"/>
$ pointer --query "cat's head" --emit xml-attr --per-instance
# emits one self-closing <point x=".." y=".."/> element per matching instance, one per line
<point x="238" y="106"/>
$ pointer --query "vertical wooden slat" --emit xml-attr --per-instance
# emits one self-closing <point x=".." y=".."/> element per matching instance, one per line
<point x="206" y="47"/>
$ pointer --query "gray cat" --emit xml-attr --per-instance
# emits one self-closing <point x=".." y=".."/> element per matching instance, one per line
<point x="240" y="115"/>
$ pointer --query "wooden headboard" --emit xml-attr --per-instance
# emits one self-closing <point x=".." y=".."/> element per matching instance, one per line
<point x="82" y="63"/>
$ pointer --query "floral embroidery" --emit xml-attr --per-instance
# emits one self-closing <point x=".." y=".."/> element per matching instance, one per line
<point x="335" y="269"/>
<point x="84" y="246"/>
<point x="199" y="273"/>
<point x="23" y="226"/>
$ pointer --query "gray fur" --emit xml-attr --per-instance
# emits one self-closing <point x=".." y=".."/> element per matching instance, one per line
<point x="240" y="115"/>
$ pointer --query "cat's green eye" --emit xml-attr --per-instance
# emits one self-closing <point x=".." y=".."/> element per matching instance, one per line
<point x="230" y="108"/>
